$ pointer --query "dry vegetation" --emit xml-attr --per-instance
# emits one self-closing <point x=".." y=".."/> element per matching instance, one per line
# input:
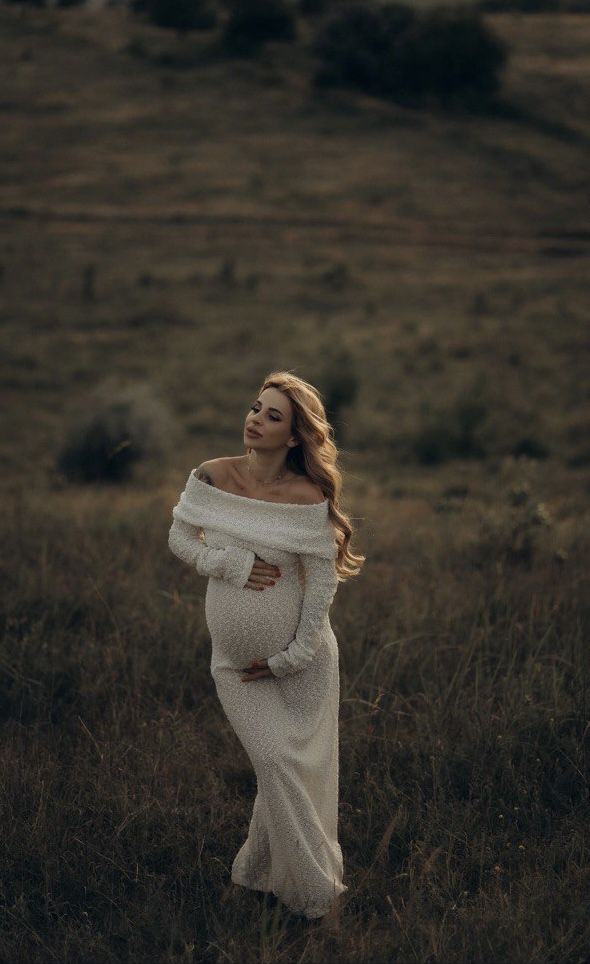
<point x="194" y="223"/>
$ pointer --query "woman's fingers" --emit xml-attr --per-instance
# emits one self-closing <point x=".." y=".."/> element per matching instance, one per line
<point x="262" y="574"/>
<point x="266" y="570"/>
<point x="256" y="583"/>
<point x="263" y="577"/>
<point x="261" y="566"/>
<point x="256" y="669"/>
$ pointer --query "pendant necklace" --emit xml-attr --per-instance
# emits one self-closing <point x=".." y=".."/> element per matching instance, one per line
<point x="271" y="482"/>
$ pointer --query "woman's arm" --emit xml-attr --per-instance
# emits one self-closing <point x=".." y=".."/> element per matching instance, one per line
<point x="233" y="563"/>
<point x="321" y="582"/>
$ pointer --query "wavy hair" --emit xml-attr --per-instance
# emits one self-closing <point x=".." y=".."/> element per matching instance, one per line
<point x="316" y="457"/>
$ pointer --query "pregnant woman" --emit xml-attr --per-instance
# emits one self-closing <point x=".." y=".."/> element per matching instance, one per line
<point x="267" y="529"/>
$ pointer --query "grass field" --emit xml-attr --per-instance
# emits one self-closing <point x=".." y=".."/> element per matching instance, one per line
<point x="193" y="224"/>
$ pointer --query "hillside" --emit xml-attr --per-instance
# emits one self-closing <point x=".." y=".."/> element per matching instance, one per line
<point x="191" y="224"/>
<point x="154" y="218"/>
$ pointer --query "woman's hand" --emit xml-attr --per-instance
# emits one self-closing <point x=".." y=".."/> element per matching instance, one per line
<point x="256" y="669"/>
<point x="263" y="574"/>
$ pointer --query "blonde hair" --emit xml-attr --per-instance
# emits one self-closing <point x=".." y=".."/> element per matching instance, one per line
<point x="316" y="457"/>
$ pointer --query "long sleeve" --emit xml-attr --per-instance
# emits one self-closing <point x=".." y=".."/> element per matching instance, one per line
<point x="233" y="563"/>
<point x="321" y="582"/>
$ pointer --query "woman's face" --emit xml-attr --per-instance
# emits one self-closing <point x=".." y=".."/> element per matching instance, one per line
<point x="270" y="415"/>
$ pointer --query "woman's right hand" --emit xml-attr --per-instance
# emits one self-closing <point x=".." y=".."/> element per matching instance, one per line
<point x="263" y="574"/>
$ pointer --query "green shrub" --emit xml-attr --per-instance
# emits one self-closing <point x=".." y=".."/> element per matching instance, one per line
<point x="531" y="446"/>
<point x="252" y="23"/>
<point x="311" y="8"/>
<point x="522" y="6"/>
<point x="456" y="432"/>
<point x="340" y="386"/>
<point x="446" y="53"/>
<point x="178" y="14"/>
<point x="116" y="427"/>
<point x="451" y="53"/>
<point x="516" y="532"/>
<point x="356" y="47"/>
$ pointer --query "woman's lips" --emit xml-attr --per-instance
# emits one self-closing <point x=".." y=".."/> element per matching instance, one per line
<point x="250" y="431"/>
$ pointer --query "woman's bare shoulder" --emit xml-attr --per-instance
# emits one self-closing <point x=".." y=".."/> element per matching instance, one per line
<point x="299" y="489"/>
<point x="209" y="471"/>
<point x="306" y="492"/>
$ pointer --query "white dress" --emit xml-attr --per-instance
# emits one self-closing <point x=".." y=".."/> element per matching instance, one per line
<point x="288" y="724"/>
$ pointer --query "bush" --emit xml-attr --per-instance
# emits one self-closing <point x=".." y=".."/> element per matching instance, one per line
<point x="451" y="54"/>
<point x="356" y="47"/>
<point x="312" y="8"/>
<point x="118" y="427"/>
<point x="178" y="14"/>
<point x="530" y="446"/>
<point x="252" y="23"/>
<point x="447" y="53"/>
<point x="340" y="385"/>
<point x="456" y="432"/>
<point x="522" y="6"/>
<point x="517" y="533"/>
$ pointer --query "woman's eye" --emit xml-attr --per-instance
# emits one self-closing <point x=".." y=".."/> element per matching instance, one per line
<point x="275" y="418"/>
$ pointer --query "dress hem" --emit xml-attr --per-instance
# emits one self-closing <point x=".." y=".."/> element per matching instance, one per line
<point x="243" y="882"/>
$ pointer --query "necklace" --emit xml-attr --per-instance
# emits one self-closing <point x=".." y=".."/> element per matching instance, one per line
<point x="270" y="482"/>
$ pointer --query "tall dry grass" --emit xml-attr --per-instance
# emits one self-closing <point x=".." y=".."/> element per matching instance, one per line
<point x="464" y="741"/>
<point x="147" y="233"/>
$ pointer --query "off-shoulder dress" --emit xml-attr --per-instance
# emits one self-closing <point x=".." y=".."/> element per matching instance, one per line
<point x="287" y="724"/>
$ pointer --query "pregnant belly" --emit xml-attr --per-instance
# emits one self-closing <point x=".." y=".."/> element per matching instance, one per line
<point x="245" y="624"/>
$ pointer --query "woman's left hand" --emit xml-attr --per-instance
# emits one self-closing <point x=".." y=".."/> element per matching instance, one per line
<point x="256" y="669"/>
